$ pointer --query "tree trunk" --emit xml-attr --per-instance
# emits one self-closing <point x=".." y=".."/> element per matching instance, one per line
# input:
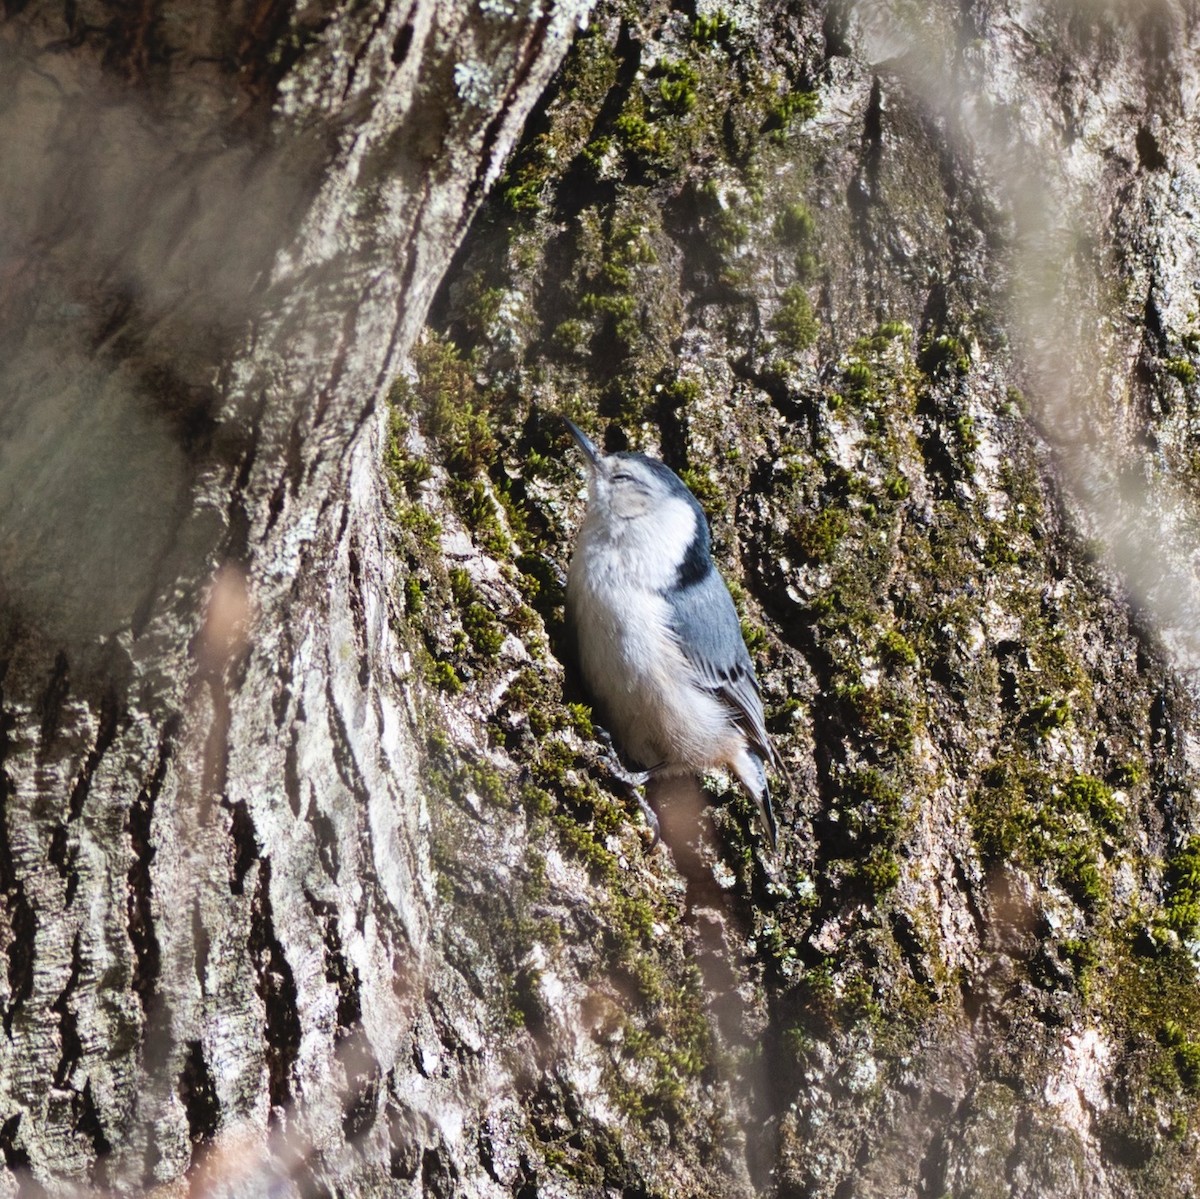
<point x="221" y="229"/>
<point x="314" y="874"/>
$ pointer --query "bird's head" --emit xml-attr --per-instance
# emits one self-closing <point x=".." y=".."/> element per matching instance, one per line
<point x="639" y="499"/>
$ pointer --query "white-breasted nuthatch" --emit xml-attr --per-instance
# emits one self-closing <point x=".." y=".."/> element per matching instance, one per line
<point x="656" y="633"/>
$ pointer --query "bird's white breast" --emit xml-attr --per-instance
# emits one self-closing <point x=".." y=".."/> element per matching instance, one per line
<point x="628" y="654"/>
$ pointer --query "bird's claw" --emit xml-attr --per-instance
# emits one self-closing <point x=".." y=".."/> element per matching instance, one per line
<point x="632" y="780"/>
<point x="651" y="818"/>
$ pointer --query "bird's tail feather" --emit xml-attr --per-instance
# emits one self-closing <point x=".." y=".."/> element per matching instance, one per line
<point x="752" y="773"/>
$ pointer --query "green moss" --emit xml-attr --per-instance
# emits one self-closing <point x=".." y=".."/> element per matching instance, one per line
<point x="640" y="138"/>
<point x="1130" y="773"/>
<point x="1181" y="908"/>
<point x="943" y="354"/>
<point x="423" y="526"/>
<point x="964" y="426"/>
<point x="1094" y="799"/>
<point x="581" y="720"/>
<point x="716" y="28"/>
<point x="461" y="587"/>
<point x="1021" y="814"/>
<point x="681" y="393"/>
<point x="1049" y="712"/>
<point x="531" y="694"/>
<point x="880" y="871"/>
<point x="1018" y="405"/>
<point x="438" y="746"/>
<point x="797" y="1044"/>
<point x="597" y="151"/>
<point x="754" y="637"/>
<point x="797" y="228"/>
<point x="706" y="489"/>
<point x="858" y="377"/>
<point x="885" y="715"/>
<point x="999" y="550"/>
<point x="621" y="308"/>
<point x="405" y="470"/>
<point x="582" y="843"/>
<point x="555" y="757"/>
<point x="1187" y="1062"/>
<point x="635" y="917"/>
<point x="723" y="223"/>
<point x="796" y="224"/>
<point x="728" y="230"/>
<point x="536" y="801"/>
<point x="541" y="584"/>
<point x="476" y="503"/>
<point x="874" y="806"/>
<point x="896" y="649"/>
<point x="1004" y="811"/>
<point x="794" y="320"/>
<point x="670" y="1052"/>
<point x="795" y="106"/>
<point x="1020" y="481"/>
<point x="858" y="1003"/>
<point x="570" y="336"/>
<point x="677" y="86"/>
<point x="445" y="402"/>
<point x="522" y="192"/>
<point x="490" y="784"/>
<point x="1181" y="369"/>
<point x="1080" y="874"/>
<point x="873" y="819"/>
<point x="1083" y="958"/>
<point x="448" y="407"/>
<point x="414" y="596"/>
<point x="445" y="677"/>
<point x="1153" y="1008"/>
<point x="484" y="631"/>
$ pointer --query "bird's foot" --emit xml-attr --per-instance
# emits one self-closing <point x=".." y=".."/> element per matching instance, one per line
<point x="634" y="782"/>
<point x="631" y="780"/>
<point x="651" y="817"/>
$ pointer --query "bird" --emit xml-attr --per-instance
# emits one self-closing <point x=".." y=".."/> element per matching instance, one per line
<point x="655" y="632"/>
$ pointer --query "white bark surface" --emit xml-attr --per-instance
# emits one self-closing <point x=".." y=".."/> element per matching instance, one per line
<point x="220" y="232"/>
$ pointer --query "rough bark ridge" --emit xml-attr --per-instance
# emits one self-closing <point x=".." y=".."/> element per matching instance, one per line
<point x="221" y="227"/>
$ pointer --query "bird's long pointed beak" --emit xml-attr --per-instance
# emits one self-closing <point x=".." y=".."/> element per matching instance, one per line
<point x="584" y="442"/>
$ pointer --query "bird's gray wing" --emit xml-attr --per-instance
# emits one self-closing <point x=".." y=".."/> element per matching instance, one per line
<point x="706" y="625"/>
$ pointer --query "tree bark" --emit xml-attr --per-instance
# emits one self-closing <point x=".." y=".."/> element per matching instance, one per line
<point x="221" y="229"/>
<point x="314" y="875"/>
